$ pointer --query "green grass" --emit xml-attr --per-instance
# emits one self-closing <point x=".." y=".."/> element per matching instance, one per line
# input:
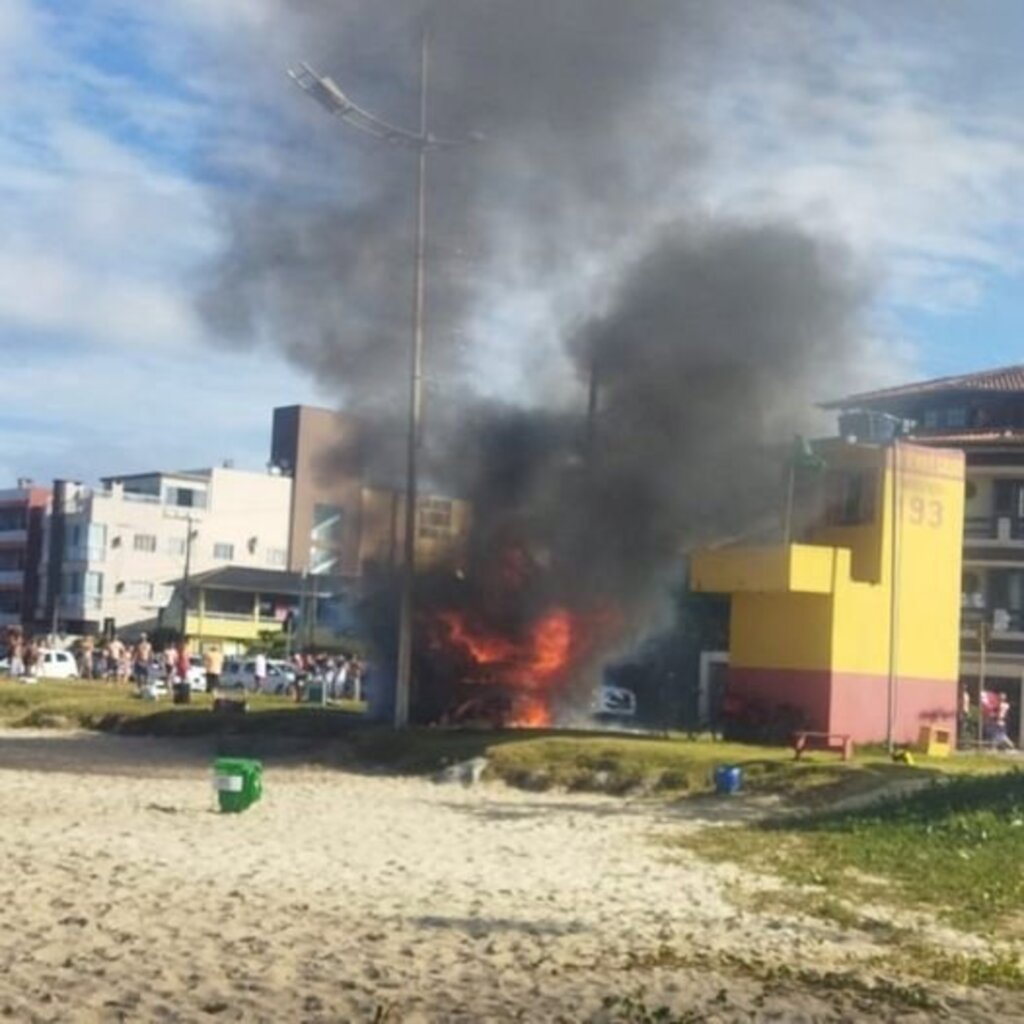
<point x="955" y="848"/>
<point x="114" y="708"/>
<point x="597" y="761"/>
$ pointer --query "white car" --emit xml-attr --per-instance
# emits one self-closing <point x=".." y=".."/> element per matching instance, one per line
<point x="196" y="673"/>
<point x="615" y="702"/>
<point x="54" y="664"/>
<point x="241" y="675"/>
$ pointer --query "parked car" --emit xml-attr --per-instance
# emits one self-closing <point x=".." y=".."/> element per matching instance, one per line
<point x="196" y="673"/>
<point x="54" y="664"/>
<point x="615" y="702"/>
<point x="241" y="675"/>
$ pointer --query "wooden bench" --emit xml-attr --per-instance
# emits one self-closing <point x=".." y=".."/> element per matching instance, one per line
<point x="841" y="743"/>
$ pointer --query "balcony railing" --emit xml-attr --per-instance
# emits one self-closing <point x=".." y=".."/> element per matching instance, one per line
<point x="10" y="577"/>
<point x="1001" y="620"/>
<point x="980" y="528"/>
<point x="1001" y="529"/>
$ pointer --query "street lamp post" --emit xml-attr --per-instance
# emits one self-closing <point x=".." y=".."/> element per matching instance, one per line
<point x="190" y="535"/>
<point x="326" y="92"/>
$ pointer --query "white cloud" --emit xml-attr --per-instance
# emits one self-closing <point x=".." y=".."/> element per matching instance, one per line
<point x="917" y="178"/>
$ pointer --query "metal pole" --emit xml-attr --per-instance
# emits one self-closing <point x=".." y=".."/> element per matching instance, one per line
<point x="982" y="652"/>
<point x="893" y="601"/>
<point x="787" y="531"/>
<point x="185" y="580"/>
<point x="403" y="683"/>
<point x="593" y="399"/>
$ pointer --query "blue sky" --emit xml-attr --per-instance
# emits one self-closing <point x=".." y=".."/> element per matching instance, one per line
<point x="903" y="137"/>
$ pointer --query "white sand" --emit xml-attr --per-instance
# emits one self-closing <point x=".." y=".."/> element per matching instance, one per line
<point x="123" y="896"/>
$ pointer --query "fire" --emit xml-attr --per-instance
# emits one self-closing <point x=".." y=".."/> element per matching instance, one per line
<point x="531" y="713"/>
<point x="525" y="671"/>
<point x="484" y="649"/>
<point x="552" y="643"/>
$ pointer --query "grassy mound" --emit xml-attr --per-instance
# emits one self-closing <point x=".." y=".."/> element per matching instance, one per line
<point x="955" y="847"/>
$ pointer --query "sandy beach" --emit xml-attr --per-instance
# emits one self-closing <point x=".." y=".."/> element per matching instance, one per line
<point x="348" y="897"/>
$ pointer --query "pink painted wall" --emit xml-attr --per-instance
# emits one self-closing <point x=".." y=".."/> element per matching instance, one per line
<point x="850" y="703"/>
<point x="805" y="689"/>
<point x="859" y="706"/>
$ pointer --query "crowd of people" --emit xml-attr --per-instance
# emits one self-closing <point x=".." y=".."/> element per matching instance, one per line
<point x="23" y="654"/>
<point x="343" y="676"/>
<point x="995" y="720"/>
<point x="115" y="660"/>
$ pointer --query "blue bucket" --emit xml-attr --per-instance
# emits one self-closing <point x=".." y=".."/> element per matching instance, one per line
<point x="728" y="779"/>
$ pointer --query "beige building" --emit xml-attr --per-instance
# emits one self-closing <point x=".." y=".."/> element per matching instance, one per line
<point x="320" y="451"/>
<point x="343" y="524"/>
<point x="121" y="547"/>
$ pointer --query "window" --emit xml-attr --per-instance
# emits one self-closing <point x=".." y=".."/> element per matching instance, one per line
<point x="12" y="559"/>
<point x="72" y="584"/>
<point x="176" y="545"/>
<point x="328" y="526"/>
<point x="185" y="497"/>
<point x="956" y="416"/>
<point x="145" y="542"/>
<point x="141" y="590"/>
<point x="1008" y="498"/>
<point x="931" y="419"/>
<point x="13" y="518"/>
<point x="1006" y="598"/>
<point x="322" y="563"/>
<point x="75" y="537"/>
<point x="10" y="602"/>
<point x="435" y="518"/>
<point x="850" y="498"/>
<point x="277" y="556"/>
<point x="224" y="551"/>
<point x="96" y="542"/>
<point x="229" y="602"/>
<point x="93" y="584"/>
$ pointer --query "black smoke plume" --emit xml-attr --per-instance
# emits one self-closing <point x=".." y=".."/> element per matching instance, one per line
<point x="567" y="259"/>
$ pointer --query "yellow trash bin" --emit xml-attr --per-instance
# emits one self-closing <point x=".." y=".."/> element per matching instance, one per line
<point x="935" y="741"/>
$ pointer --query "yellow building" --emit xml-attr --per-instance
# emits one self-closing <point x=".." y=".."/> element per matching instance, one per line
<point x="235" y="607"/>
<point x="857" y="622"/>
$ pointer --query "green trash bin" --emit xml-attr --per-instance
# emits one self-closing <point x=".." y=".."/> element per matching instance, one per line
<point x="239" y="783"/>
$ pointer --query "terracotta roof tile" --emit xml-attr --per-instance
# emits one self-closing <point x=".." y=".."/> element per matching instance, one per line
<point x="1006" y="379"/>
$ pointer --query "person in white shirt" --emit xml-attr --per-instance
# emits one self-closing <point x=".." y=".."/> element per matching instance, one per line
<point x="260" y="672"/>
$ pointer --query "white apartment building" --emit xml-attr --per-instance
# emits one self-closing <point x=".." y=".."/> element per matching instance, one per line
<point x="122" y="547"/>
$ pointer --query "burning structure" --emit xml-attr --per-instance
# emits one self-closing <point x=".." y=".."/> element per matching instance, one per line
<point x="632" y="359"/>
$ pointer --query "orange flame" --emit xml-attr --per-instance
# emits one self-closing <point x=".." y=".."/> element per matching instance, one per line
<point x="484" y="649"/>
<point x="529" y="670"/>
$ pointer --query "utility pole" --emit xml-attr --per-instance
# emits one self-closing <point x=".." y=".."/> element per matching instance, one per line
<point x="403" y="686"/>
<point x="984" y="630"/>
<point x="189" y="535"/>
<point x="894" y="586"/>
<point x="327" y="93"/>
